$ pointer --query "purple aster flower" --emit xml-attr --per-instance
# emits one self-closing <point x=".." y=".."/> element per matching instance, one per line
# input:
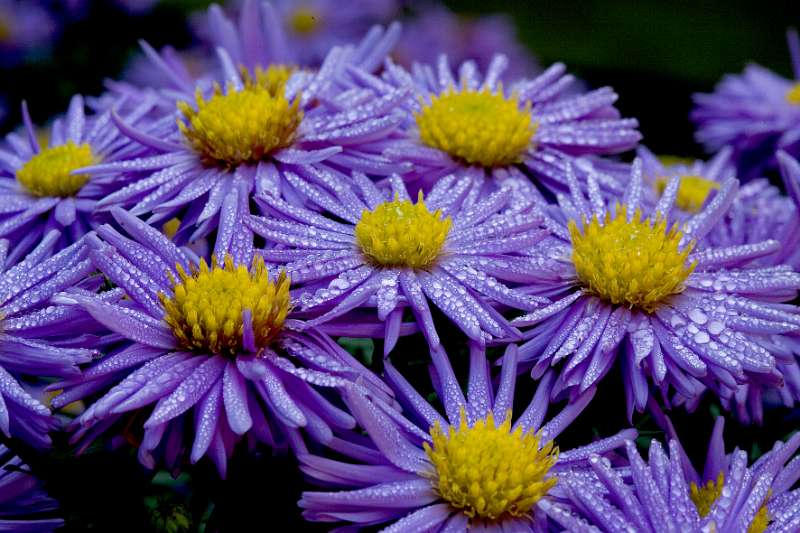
<point x="411" y="472"/>
<point x="630" y="287"/>
<point x="24" y="506"/>
<point x="24" y="27"/>
<point x="665" y="493"/>
<point x="266" y="132"/>
<point x="435" y="30"/>
<point x="756" y="112"/>
<point x="775" y="216"/>
<point x="454" y="248"/>
<point x="699" y="180"/>
<point x="39" y="190"/>
<point x="206" y="353"/>
<point x="759" y="212"/>
<point x="473" y="124"/>
<point x="37" y="338"/>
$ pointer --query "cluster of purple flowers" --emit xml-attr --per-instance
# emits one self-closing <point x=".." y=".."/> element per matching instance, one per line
<point x="179" y="261"/>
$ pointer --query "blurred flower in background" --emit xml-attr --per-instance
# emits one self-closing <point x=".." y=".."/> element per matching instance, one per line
<point x="756" y="112"/>
<point x="315" y="26"/>
<point x="432" y="29"/>
<point x="26" y="29"/>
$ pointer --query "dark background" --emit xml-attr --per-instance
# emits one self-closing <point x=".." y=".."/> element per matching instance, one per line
<point x="655" y="54"/>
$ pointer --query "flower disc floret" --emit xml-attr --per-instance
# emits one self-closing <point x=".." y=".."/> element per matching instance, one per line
<point x="50" y="172"/>
<point x="488" y="471"/>
<point x="692" y="191"/>
<point x="636" y="263"/>
<point x="273" y="79"/>
<point x="402" y="234"/>
<point x="479" y="127"/>
<point x="705" y="496"/>
<point x="207" y="307"/>
<point x="241" y="126"/>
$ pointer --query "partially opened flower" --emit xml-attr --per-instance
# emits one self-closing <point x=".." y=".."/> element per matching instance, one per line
<point x="756" y="112"/>
<point x="665" y="493"/>
<point x="37" y="337"/>
<point x="473" y="124"/>
<point x="378" y="249"/>
<point x="24" y="506"/>
<point x="39" y="188"/>
<point x="473" y="467"/>
<point x="631" y="287"/>
<point x="265" y="132"/>
<point x="204" y="353"/>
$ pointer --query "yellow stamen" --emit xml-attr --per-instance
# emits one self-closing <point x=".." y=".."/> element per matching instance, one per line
<point x="402" y="234"/>
<point x="487" y="471"/>
<point x="243" y="126"/>
<point x="272" y="79"/>
<point x="49" y="173"/>
<point x="304" y="20"/>
<point x="479" y="127"/>
<point x="171" y="227"/>
<point x="672" y="160"/>
<point x="637" y="264"/>
<point x="206" y="306"/>
<point x="793" y="94"/>
<point x="692" y="192"/>
<point x="706" y="495"/>
<point x="73" y="409"/>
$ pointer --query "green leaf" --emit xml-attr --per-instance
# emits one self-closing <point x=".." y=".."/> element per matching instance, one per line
<point x="361" y="349"/>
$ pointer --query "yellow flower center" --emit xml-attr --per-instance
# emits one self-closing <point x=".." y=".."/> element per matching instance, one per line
<point x="273" y="79"/>
<point x="171" y="227"/>
<point x="206" y="306"/>
<point x="671" y="160"/>
<point x="705" y="496"/>
<point x="402" y="234"/>
<point x="49" y="173"/>
<point x="479" y="127"/>
<point x="793" y="94"/>
<point x="304" y="20"/>
<point x="488" y="471"/>
<point x="692" y="192"/>
<point x="244" y="126"/>
<point x="636" y="264"/>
